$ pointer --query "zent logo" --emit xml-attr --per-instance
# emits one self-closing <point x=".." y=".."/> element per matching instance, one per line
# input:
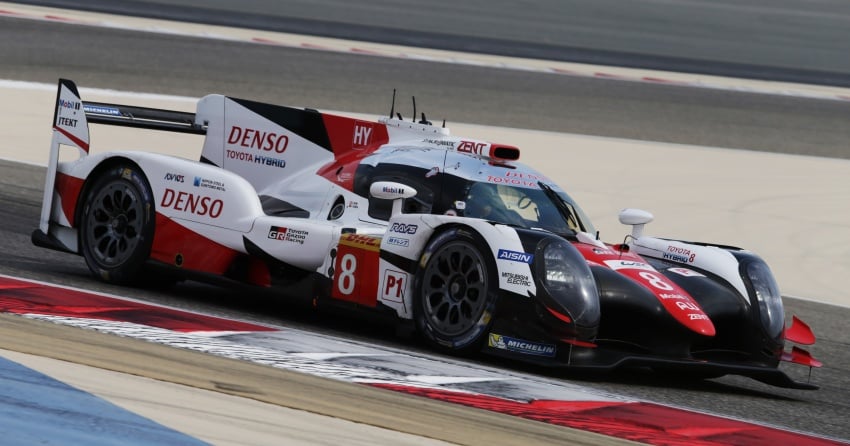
<point x="476" y="148"/>
<point x="515" y="256"/>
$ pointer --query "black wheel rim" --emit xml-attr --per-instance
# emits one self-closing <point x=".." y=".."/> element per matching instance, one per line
<point x="114" y="224"/>
<point x="454" y="289"/>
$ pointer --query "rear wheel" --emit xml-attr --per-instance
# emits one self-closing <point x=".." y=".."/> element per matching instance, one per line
<point x="117" y="224"/>
<point x="456" y="291"/>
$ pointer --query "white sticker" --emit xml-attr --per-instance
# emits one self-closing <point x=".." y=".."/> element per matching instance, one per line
<point x="685" y="272"/>
<point x="394" y="285"/>
<point x="628" y="264"/>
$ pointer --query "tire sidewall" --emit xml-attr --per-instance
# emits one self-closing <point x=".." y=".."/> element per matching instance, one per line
<point x="130" y="270"/>
<point x="475" y="336"/>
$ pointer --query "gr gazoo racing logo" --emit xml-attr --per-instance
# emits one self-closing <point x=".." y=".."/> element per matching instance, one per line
<point x="287" y="234"/>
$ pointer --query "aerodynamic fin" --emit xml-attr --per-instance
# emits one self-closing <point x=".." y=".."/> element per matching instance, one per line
<point x="70" y="128"/>
<point x="799" y="332"/>
<point x="265" y="143"/>
<point x="69" y="120"/>
<point x="801" y="356"/>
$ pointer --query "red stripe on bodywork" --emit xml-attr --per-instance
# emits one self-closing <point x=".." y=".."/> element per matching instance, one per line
<point x="637" y="421"/>
<point x="177" y="245"/>
<point x="196" y="252"/>
<point x="678" y="303"/>
<point x="347" y="134"/>
<point x="351" y="140"/>
<point x="25" y="297"/>
<point x="69" y="188"/>
<point x="79" y="142"/>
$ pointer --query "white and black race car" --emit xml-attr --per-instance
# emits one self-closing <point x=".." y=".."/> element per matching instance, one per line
<point x="450" y="235"/>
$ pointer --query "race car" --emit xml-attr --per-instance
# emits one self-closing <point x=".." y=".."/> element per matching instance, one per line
<point x="449" y="235"/>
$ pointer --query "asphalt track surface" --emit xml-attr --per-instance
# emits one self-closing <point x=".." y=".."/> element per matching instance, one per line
<point x="169" y="64"/>
<point x="778" y="39"/>
<point x="154" y="63"/>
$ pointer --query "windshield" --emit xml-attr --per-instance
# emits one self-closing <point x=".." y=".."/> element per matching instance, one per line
<point x="526" y="208"/>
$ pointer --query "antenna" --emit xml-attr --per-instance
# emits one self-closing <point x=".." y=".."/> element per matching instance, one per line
<point x="392" y="107"/>
<point x="414" y="108"/>
<point x="424" y="121"/>
<point x="444" y="122"/>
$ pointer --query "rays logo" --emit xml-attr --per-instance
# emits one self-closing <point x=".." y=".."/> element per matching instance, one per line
<point x="515" y="256"/>
<point x="403" y="228"/>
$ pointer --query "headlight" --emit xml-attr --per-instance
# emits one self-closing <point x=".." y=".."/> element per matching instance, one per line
<point x="558" y="275"/>
<point x="768" y="296"/>
<point x="567" y="279"/>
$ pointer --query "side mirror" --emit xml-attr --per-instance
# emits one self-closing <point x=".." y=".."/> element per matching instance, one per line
<point x="637" y="218"/>
<point x="390" y="190"/>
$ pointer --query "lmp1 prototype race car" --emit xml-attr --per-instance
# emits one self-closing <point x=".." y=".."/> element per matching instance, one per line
<point x="449" y="235"/>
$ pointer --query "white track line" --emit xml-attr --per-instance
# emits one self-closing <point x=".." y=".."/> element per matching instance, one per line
<point x="421" y="54"/>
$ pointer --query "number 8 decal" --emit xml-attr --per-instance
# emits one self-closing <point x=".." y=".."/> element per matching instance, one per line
<point x="655" y="281"/>
<point x="346" y="281"/>
<point x="356" y="269"/>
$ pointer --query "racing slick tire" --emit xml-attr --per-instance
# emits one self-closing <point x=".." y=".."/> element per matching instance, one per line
<point x="455" y="291"/>
<point x="117" y="224"/>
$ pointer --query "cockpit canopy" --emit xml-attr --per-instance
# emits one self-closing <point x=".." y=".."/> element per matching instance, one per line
<point x="459" y="184"/>
<point x="524" y="207"/>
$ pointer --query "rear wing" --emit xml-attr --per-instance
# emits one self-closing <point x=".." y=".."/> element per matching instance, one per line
<point x="142" y="117"/>
<point x="70" y="127"/>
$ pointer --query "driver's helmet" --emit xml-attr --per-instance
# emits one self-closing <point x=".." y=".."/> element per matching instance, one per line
<point x="482" y="200"/>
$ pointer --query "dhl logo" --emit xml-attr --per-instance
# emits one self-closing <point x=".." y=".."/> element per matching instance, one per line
<point x="361" y="241"/>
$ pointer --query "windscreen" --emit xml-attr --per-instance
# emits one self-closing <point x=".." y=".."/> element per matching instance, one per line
<point x="526" y="208"/>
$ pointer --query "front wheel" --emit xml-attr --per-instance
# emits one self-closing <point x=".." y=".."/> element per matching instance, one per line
<point x="456" y="291"/>
<point x="117" y="224"/>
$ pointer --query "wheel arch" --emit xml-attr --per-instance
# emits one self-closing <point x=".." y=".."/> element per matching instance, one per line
<point x="475" y="336"/>
<point x="98" y="170"/>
